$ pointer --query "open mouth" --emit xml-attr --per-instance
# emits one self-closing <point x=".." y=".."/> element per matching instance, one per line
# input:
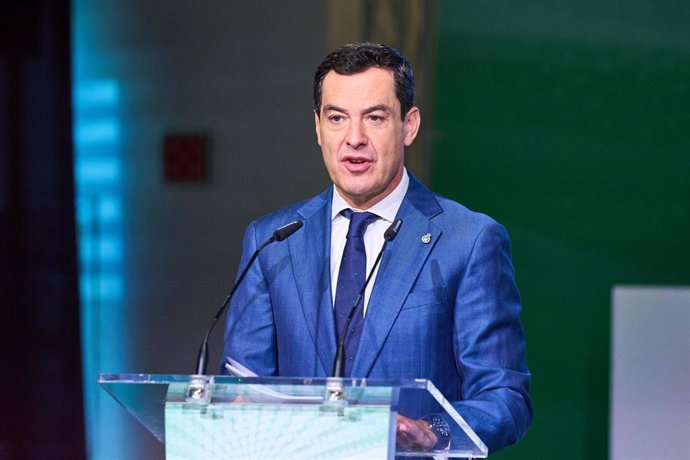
<point x="357" y="165"/>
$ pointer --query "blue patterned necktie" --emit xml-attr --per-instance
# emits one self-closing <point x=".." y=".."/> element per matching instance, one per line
<point x="351" y="277"/>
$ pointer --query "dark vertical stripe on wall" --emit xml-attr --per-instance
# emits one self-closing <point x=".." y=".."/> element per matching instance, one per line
<point x="41" y="413"/>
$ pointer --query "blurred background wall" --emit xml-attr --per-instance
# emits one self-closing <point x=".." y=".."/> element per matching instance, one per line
<point x="566" y="121"/>
<point x="237" y="73"/>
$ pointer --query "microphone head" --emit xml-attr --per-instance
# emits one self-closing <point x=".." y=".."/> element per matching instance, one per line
<point x="393" y="230"/>
<point x="287" y="230"/>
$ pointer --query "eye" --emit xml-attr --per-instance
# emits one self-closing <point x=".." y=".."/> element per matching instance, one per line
<point x="335" y="118"/>
<point x="376" y="118"/>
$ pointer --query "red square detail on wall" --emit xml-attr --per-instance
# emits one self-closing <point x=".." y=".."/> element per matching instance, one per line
<point x="183" y="157"/>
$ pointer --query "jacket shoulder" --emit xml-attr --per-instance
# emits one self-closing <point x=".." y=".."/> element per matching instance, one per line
<point x="301" y="210"/>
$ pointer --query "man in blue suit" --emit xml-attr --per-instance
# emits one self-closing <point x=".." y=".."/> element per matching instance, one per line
<point x="443" y="304"/>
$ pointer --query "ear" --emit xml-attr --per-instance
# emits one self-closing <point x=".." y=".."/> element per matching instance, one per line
<point x="317" y="127"/>
<point x="412" y="121"/>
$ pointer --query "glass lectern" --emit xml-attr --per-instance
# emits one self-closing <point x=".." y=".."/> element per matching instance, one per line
<point x="222" y="417"/>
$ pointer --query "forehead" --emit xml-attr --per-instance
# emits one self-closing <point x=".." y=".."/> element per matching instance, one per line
<point x="374" y="86"/>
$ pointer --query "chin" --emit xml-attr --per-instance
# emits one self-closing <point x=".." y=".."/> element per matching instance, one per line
<point x="357" y="191"/>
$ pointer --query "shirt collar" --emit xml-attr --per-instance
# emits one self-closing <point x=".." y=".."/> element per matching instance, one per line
<point x="385" y="209"/>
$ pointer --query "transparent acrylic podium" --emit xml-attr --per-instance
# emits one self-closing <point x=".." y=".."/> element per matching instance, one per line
<point x="222" y="417"/>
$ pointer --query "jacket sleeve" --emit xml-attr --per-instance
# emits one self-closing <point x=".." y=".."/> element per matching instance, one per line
<point x="490" y="345"/>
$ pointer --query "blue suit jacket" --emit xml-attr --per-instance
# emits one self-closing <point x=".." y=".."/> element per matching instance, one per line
<point x="446" y="310"/>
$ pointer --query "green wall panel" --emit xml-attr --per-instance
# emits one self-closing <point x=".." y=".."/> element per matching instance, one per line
<point x="571" y="126"/>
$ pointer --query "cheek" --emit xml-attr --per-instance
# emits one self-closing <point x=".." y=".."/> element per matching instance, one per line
<point x="330" y="147"/>
<point x="329" y="157"/>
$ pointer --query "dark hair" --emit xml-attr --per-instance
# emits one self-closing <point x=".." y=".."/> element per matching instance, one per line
<point x="358" y="57"/>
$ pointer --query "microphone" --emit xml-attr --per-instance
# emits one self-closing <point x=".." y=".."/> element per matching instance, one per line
<point x="279" y="235"/>
<point x="286" y="230"/>
<point x="339" y="362"/>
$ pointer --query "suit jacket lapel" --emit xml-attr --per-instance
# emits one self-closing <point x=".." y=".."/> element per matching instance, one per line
<point x="400" y="265"/>
<point x="310" y="253"/>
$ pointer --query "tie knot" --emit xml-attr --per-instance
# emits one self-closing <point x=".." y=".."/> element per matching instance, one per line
<point x="358" y="221"/>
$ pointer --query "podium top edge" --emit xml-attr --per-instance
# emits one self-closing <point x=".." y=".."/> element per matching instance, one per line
<point x="142" y="378"/>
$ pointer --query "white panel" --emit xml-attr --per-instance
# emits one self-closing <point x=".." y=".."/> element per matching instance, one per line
<point x="650" y="381"/>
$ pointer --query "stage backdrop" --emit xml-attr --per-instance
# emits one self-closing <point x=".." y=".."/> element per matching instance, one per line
<point x="568" y="122"/>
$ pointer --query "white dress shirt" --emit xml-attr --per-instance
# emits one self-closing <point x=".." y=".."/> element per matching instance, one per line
<point x="386" y="209"/>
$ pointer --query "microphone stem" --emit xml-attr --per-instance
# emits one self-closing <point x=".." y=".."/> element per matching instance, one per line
<point x="202" y="357"/>
<point x="339" y="362"/>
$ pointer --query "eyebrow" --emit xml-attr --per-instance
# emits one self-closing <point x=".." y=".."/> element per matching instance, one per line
<point x="373" y="108"/>
<point x="381" y="107"/>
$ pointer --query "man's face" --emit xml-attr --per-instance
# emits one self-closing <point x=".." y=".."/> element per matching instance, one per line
<point x="362" y="136"/>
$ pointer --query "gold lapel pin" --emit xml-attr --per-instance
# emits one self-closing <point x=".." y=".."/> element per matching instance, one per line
<point x="426" y="239"/>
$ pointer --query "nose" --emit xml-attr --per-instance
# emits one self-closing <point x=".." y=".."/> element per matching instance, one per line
<point x="356" y="136"/>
